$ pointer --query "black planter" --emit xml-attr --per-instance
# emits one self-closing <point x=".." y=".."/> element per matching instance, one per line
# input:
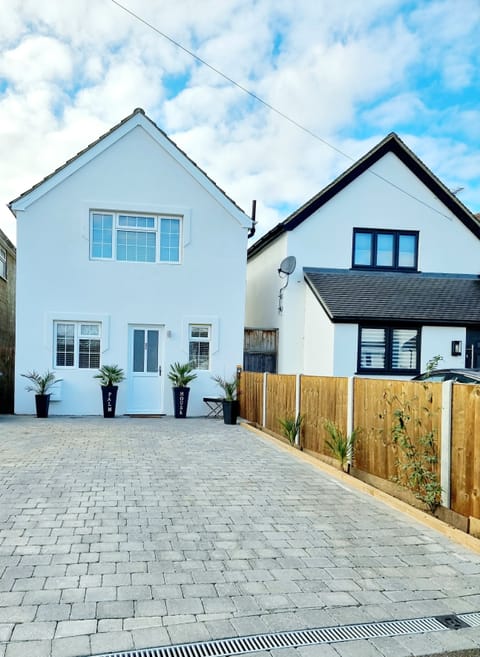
<point x="42" y="403"/>
<point x="230" y="411"/>
<point x="180" y="401"/>
<point x="109" y="398"/>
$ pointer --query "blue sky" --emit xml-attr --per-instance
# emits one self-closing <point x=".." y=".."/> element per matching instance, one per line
<point x="349" y="71"/>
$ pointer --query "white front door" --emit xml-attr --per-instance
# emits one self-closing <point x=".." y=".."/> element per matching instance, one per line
<point x="145" y="376"/>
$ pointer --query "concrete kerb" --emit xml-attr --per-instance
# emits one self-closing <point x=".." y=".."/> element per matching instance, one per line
<point x="466" y="540"/>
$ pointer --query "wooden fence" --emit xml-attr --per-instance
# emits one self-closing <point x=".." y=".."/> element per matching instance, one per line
<point x="450" y="411"/>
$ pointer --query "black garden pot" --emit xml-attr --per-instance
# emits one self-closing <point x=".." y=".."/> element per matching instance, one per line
<point x="180" y="401"/>
<point x="42" y="403"/>
<point x="230" y="411"/>
<point x="109" y="398"/>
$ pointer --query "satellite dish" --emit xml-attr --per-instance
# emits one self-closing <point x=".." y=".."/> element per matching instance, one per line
<point x="287" y="266"/>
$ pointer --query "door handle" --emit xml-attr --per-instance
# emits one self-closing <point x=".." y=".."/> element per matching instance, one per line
<point x="159" y="370"/>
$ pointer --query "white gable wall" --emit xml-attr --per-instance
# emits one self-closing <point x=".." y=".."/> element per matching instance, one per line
<point x="325" y="240"/>
<point x="58" y="280"/>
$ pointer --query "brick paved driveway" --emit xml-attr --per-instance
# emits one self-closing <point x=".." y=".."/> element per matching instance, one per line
<point x="133" y="533"/>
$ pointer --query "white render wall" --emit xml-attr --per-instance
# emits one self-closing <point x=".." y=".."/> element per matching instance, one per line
<point x="436" y="341"/>
<point x="325" y="240"/>
<point x="319" y="341"/>
<point x="57" y="280"/>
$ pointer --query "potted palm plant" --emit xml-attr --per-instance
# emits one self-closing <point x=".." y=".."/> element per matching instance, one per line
<point x="41" y="386"/>
<point x="230" y="401"/>
<point x="110" y="376"/>
<point x="180" y="376"/>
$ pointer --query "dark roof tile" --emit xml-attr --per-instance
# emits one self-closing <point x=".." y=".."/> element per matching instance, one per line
<point x="362" y="296"/>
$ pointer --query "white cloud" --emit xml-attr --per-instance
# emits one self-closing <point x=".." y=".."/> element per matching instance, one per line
<point x="348" y="71"/>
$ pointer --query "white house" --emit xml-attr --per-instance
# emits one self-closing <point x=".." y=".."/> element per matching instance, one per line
<point x="387" y="274"/>
<point x="128" y="254"/>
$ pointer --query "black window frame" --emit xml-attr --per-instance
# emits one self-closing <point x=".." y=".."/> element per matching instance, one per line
<point x="375" y="232"/>
<point x="389" y="328"/>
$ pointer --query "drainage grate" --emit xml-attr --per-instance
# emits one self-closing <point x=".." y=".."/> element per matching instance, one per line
<point x="298" y="638"/>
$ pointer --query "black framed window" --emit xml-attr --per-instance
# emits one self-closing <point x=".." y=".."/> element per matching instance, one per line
<point x="385" y="249"/>
<point x="384" y="349"/>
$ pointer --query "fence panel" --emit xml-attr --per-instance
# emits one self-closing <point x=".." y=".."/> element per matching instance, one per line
<point x="465" y="476"/>
<point x="251" y="396"/>
<point x="376" y="403"/>
<point x="280" y="399"/>
<point x="322" y="398"/>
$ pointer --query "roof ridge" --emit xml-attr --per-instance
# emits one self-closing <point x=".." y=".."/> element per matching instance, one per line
<point x="391" y="143"/>
<point x="136" y="111"/>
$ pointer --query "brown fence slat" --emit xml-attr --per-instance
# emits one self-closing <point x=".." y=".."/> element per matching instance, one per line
<point x="251" y="396"/>
<point x="465" y="476"/>
<point x="376" y="401"/>
<point x="322" y="398"/>
<point x="280" y="400"/>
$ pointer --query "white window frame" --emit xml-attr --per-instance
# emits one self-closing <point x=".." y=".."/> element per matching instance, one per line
<point x="156" y="228"/>
<point x="3" y="263"/>
<point x="77" y="336"/>
<point x="201" y="340"/>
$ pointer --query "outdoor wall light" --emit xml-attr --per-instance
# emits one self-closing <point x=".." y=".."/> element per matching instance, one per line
<point x="456" y="347"/>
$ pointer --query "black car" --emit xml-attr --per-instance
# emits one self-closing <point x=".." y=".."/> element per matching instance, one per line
<point x="460" y="376"/>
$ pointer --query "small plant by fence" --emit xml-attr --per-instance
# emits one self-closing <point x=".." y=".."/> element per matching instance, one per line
<point x="421" y="436"/>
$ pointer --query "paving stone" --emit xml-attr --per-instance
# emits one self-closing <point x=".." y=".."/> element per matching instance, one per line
<point x="17" y="614"/>
<point x="5" y="631"/>
<point x="53" y="612"/>
<point x="39" y="648"/>
<point x="111" y="641"/>
<point x="150" y="636"/>
<point x="100" y="593"/>
<point x="83" y="610"/>
<point x="12" y="598"/>
<point x="32" y="631"/>
<point x="71" y="646"/>
<point x="180" y="544"/>
<point x="75" y="628"/>
<point x="188" y="632"/>
<point x="134" y="593"/>
<point x="115" y="609"/>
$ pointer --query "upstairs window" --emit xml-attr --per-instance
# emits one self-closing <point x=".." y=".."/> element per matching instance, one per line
<point x="135" y="238"/>
<point x="385" y="249"/>
<point x="389" y="350"/>
<point x="77" y="344"/>
<point x="199" y="345"/>
<point x="3" y="262"/>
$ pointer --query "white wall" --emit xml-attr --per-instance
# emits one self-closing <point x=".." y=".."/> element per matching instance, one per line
<point x="57" y="279"/>
<point x="263" y="284"/>
<point x="346" y="348"/>
<point x="325" y="240"/>
<point x="436" y="341"/>
<point x="319" y="338"/>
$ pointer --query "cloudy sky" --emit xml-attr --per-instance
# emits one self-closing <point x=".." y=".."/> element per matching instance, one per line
<point x="349" y="71"/>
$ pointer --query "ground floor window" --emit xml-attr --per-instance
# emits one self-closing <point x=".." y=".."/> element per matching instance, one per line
<point x="199" y="345"/>
<point x="389" y="350"/>
<point x="77" y="344"/>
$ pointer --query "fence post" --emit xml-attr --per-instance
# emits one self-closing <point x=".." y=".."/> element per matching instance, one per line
<point x="350" y="415"/>
<point x="297" y="406"/>
<point x="264" y="409"/>
<point x="446" y="443"/>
